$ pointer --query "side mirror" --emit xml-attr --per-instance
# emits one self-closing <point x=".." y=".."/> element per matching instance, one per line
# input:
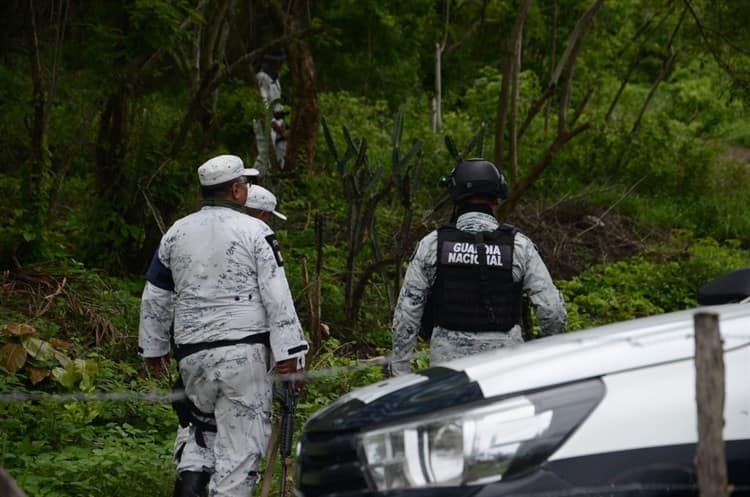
<point x="730" y="288"/>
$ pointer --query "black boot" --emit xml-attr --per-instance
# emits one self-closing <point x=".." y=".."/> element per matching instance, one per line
<point x="191" y="484"/>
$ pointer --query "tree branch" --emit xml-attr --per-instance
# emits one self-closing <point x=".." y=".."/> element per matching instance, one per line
<point x="714" y="53"/>
<point x="571" y="54"/>
<point x="509" y="205"/>
<point x="666" y="67"/>
<point x="504" y="99"/>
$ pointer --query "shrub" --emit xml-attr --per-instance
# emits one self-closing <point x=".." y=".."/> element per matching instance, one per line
<point x="666" y="278"/>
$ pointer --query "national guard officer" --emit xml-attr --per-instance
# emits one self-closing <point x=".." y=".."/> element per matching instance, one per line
<point x="474" y="273"/>
<point x="261" y="203"/>
<point x="270" y="91"/>
<point x="218" y="274"/>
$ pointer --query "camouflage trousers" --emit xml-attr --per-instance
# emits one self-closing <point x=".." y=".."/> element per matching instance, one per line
<point x="233" y="383"/>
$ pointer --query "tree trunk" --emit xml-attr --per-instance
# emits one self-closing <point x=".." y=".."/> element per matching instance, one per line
<point x="36" y="180"/>
<point x="39" y="103"/>
<point x="303" y="130"/>
<point x="305" y="114"/>
<point x="111" y="143"/>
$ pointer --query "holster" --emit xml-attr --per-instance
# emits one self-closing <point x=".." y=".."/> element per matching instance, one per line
<point x="181" y="406"/>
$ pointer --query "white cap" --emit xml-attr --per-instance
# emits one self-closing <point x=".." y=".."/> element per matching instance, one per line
<point x="221" y="169"/>
<point x="251" y="172"/>
<point x="261" y="199"/>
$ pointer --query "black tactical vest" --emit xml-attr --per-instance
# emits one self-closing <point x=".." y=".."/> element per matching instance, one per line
<point x="474" y="288"/>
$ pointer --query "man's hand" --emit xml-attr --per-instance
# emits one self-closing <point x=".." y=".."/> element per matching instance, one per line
<point x="289" y="366"/>
<point x="158" y="365"/>
<point x="278" y="127"/>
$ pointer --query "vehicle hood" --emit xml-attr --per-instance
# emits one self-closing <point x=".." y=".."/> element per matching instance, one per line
<point x="537" y="364"/>
<point x="598" y="351"/>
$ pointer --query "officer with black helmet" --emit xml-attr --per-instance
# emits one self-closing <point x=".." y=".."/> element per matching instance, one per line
<point x="470" y="277"/>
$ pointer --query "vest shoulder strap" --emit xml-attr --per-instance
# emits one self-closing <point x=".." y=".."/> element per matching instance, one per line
<point x="509" y="228"/>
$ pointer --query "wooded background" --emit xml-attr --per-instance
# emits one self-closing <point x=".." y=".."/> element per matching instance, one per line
<point x="622" y="127"/>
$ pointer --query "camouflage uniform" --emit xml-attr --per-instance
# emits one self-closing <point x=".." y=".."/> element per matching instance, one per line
<point x="445" y="344"/>
<point x="229" y="282"/>
<point x="270" y="91"/>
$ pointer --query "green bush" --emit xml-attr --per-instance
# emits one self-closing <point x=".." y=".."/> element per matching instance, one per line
<point x="89" y="448"/>
<point x="666" y="278"/>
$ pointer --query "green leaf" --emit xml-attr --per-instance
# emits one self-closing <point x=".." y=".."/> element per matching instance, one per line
<point x="38" y="349"/>
<point x="88" y="370"/>
<point x="67" y="377"/>
<point x="62" y="359"/>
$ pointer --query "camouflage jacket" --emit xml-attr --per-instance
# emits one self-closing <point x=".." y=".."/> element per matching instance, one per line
<point x="228" y="282"/>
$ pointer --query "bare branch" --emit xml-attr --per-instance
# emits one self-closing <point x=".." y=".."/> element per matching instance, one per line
<point x="147" y="64"/>
<point x="568" y="58"/>
<point x="581" y="106"/>
<point x="212" y="33"/>
<point x="534" y="109"/>
<point x="509" y="205"/>
<point x="578" y="32"/>
<point x="57" y="55"/>
<point x="552" y="57"/>
<point x="575" y="43"/>
<point x="513" y="122"/>
<point x="631" y="69"/>
<point x="504" y="100"/>
<point x="615" y="204"/>
<point x="665" y="69"/>
<point x="714" y="52"/>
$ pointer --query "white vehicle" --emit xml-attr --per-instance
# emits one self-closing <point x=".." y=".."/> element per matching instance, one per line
<point x="606" y="411"/>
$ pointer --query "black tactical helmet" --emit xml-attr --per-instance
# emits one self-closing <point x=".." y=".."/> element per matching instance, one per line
<point x="476" y="177"/>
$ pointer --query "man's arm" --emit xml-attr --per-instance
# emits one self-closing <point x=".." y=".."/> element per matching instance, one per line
<point x="157" y="315"/>
<point x="153" y="329"/>
<point x="287" y="340"/>
<point x="407" y="317"/>
<point x="544" y="295"/>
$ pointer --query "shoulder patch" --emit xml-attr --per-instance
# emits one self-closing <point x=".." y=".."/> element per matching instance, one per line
<point x="276" y="248"/>
<point x="160" y="275"/>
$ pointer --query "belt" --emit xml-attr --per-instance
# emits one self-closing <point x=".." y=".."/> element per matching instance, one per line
<point x="182" y="351"/>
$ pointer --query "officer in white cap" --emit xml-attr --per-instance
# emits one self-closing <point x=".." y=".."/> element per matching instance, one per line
<point x="252" y="175"/>
<point x="261" y="203"/>
<point x="218" y="278"/>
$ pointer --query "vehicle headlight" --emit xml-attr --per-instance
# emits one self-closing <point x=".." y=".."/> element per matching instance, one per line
<point x="476" y="444"/>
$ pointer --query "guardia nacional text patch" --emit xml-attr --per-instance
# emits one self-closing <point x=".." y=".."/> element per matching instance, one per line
<point x="466" y="254"/>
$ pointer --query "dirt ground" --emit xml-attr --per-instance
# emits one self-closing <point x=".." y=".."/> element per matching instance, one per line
<point x="571" y="239"/>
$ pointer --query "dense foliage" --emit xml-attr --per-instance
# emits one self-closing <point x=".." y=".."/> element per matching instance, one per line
<point x="107" y="108"/>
